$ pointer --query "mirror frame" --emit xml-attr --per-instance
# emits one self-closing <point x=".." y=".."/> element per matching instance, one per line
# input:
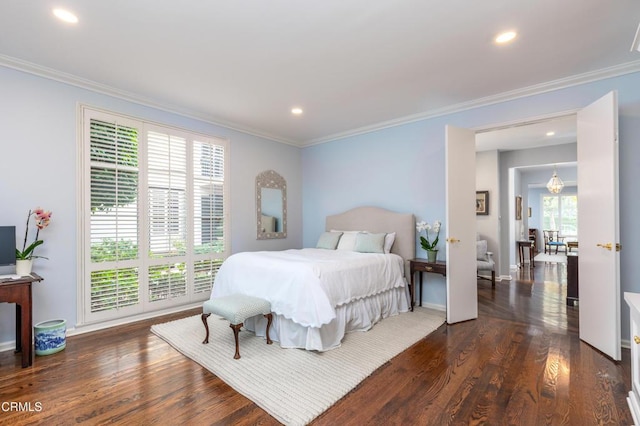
<point x="270" y="179"/>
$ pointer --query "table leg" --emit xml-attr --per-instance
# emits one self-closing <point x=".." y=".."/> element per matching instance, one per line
<point x="420" y="275"/>
<point x="27" y="338"/>
<point x="520" y="256"/>
<point x="18" y="329"/>
<point x="532" y="253"/>
<point x="412" y="291"/>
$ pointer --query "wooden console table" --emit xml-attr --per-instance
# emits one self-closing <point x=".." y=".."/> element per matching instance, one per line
<point x="19" y="292"/>
<point x="420" y="266"/>
<point x="521" y="245"/>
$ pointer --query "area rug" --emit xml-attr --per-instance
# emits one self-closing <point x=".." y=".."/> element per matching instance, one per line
<point x="294" y="385"/>
<point x="553" y="258"/>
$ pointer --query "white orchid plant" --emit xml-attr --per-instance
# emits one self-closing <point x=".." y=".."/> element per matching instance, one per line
<point x="424" y="241"/>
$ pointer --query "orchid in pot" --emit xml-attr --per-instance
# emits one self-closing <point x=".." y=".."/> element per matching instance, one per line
<point x="25" y="256"/>
<point x="425" y="242"/>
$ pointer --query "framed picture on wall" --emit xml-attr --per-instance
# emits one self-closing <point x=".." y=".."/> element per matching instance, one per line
<point x="518" y="207"/>
<point x="482" y="202"/>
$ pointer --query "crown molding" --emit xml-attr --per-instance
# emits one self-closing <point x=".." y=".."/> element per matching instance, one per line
<point x="614" y="71"/>
<point x="31" y="68"/>
<point x="73" y="80"/>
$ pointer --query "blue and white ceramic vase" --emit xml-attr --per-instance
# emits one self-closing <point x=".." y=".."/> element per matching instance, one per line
<point x="50" y="336"/>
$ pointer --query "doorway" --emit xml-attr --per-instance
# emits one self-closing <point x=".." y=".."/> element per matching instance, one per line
<point x="599" y="266"/>
<point x="511" y="159"/>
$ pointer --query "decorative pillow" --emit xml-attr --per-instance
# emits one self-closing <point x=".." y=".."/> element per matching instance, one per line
<point x="369" y="243"/>
<point x="329" y="240"/>
<point x="388" y="242"/>
<point x="347" y="240"/>
<point x="481" y="250"/>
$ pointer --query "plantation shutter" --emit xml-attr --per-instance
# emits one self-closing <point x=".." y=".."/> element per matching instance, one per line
<point x="209" y="208"/>
<point x="167" y="186"/>
<point x="155" y="203"/>
<point x="114" y="216"/>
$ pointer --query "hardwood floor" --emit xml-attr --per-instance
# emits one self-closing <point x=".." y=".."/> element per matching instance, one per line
<point x="521" y="362"/>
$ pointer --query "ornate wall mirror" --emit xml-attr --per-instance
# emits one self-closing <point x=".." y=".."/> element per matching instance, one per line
<point x="271" y="205"/>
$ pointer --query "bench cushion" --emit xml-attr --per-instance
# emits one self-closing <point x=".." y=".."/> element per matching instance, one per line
<point x="236" y="308"/>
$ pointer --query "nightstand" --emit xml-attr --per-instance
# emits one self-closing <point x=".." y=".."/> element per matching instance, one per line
<point x="420" y="266"/>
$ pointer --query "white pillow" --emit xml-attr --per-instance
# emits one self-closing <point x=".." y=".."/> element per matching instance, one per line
<point x="349" y="243"/>
<point x="347" y="240"/>
<point x="388" y="242"/>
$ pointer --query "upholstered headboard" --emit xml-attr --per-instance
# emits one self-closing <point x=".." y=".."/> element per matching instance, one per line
<point x="376" y="219"/>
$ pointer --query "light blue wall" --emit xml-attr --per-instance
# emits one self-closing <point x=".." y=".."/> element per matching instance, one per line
<point x="399" y="168"/>
<point x="38" y="123"/>
<point x="402" y="168"/>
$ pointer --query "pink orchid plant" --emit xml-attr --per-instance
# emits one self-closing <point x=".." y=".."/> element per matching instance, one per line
<point x="42" y="219"/>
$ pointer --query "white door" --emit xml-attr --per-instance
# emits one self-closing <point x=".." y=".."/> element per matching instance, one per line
<point x="599" y="233"/>
<point x="462" y="290"/>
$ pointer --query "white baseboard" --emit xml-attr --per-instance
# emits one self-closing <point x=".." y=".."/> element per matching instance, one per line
<point x="442" y="308"/>
<point x="74" y="331"/>
<point x="8" y="346"/>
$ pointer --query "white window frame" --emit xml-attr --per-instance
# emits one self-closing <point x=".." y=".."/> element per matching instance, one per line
<point x="195" y="290"/>
<point x="558" y="196"/>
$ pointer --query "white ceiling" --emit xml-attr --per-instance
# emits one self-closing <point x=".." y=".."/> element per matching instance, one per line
<point x="529" y="135"/>
<point x="352" y="65"/>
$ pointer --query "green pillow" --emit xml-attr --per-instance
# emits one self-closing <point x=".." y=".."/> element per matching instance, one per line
<point x="370" y="243"/>
<point x="329" y="240"/>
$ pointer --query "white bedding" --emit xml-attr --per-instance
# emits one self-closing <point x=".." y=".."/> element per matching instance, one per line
<point x="308" y="286"/>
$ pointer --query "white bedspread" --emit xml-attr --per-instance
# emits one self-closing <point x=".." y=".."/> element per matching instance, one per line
<point x="307" y="285"/>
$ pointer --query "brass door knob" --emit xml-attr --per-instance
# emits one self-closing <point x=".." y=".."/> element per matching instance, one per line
<point x="636" y="339"/>
<point x="453" y="240"/>
<point x="607" y="246"/>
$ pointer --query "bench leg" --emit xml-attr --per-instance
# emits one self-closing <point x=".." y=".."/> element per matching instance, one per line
<point x="269" y="318"/>
<point x="236" y="329"/>
<point x="206" y="327"/>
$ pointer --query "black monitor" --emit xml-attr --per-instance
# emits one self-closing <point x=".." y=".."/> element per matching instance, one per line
<point x="7" y="245"/>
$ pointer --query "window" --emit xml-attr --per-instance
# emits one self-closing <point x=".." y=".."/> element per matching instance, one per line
<point x="155" y="200"/>
<point x="560" y="213"/>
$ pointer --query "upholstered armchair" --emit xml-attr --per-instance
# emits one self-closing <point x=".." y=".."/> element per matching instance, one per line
<point x="485" y="262"/>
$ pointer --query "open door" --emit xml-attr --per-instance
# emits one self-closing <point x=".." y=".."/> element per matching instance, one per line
<point x="599" y="261"/>
<point x="462" y="290"/>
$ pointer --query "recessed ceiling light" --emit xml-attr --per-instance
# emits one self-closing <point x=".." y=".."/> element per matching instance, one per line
<point x="551" y="133"/>
<point x="505" y="37"/>
<point x="296" y="111"/>
<point x="66" y="16"/>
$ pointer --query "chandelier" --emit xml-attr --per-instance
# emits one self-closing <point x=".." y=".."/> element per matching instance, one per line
<point x="555" y="184"/>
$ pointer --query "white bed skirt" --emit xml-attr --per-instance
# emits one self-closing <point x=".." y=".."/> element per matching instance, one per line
<point x="359" y="315"/>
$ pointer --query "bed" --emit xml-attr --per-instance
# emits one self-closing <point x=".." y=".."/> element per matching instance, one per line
<point x="318" y="295"/>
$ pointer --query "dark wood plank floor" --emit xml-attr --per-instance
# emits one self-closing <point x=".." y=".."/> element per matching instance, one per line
<point x="521" y="362"/>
